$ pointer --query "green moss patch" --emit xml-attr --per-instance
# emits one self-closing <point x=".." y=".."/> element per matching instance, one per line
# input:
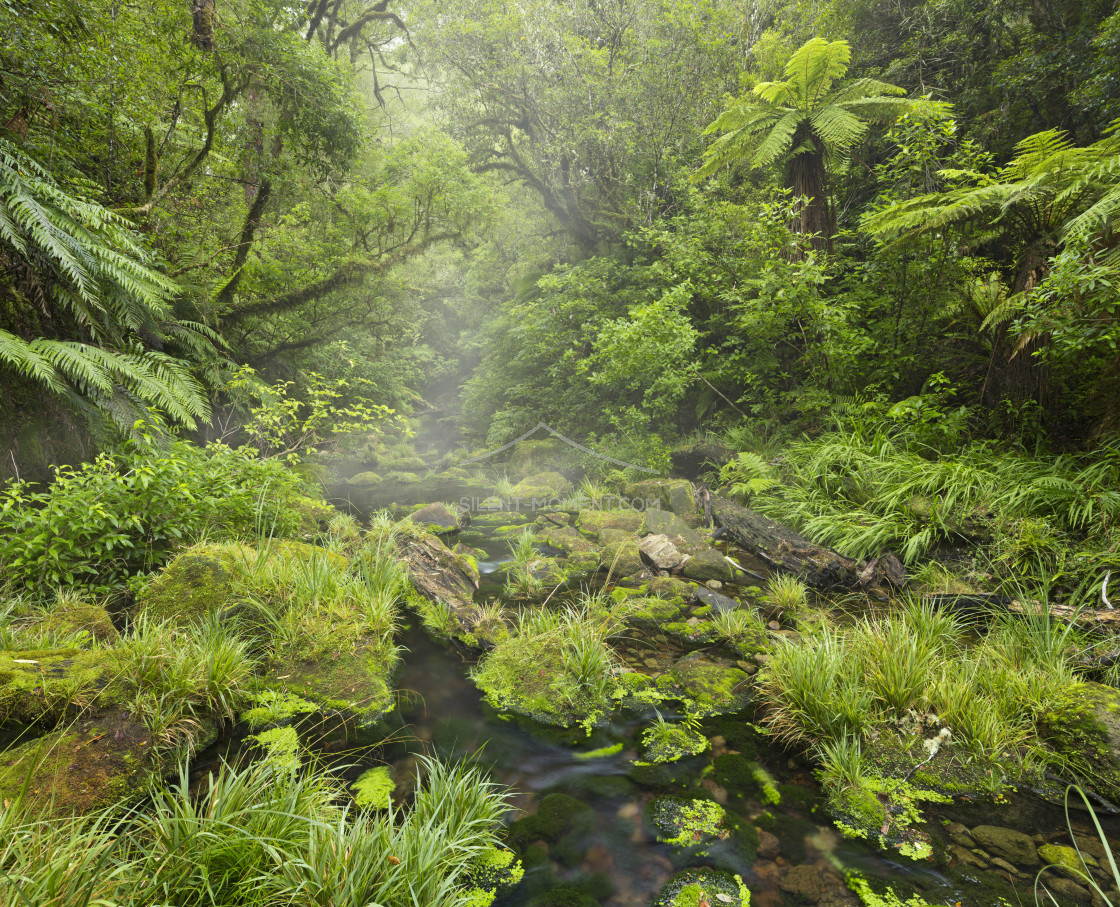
<point x="697" y="886"/>
<point x="42" y="684"/>
<point x="706" y="687"/>
<point x="374" y="788"/>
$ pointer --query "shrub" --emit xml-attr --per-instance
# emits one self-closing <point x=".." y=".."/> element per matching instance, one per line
<point x="126" y="513"/>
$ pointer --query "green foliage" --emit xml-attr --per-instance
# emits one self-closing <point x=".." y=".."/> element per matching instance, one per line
<point x="126" y="513"/>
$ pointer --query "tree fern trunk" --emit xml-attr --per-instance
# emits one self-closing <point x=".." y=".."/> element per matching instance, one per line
<point x="812" y="212"/>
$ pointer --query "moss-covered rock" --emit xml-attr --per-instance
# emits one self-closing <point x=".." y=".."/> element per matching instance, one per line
<point x="542" y="486"/>
<point x="670" y="588"/>
<point x="1084" y="729"/>
<point x="314" y="514"/>
<point x="592" y="522"/>
<point x="374" y="788"/>
<point x="692" y="824"/>
<point x="707" y="687"/>
<point x="580" y="554"/>
<point x="673" y="495"/>
<point x="621" y="556"/>
<point x="365" y="480"/>
<point x="86" y="766"/>
<point x="709" y="564"/>
<point x="77" y="615"/>
<point x="203" y="580"/>
<point x="667" y="523"/>
<point x="695" y="887"/>
<point x="436" y="518"/>
<point x="41" y="684"/>
<point x="494" y="872"/>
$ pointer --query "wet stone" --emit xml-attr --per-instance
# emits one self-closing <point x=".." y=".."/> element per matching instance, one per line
<point x="1012" y="845"/>
<point x="717" y="601"/>
<point x="803" y="881"/>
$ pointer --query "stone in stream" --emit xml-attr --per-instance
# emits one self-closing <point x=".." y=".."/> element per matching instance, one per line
<point x="437" y="518"/>
<point x="673" y="495"/>
<point x="620" y="553"/>
<point x="592" y="522"/>
<point x="660" y="551"/>
<point x="709" y="564"/>
<point x="542" y="486"/>
<point x="683" y="536"/>
<point x="718" y="602"/>
<point x="1084" y="728"/>
<point x="1007" y="843"/>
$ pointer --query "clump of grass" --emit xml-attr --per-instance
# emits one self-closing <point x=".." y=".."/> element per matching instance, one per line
<point x="556" y="666"/>
<point x="842" y="762"/>
<point x="520" y="571"/>
<point x="786" y="594"/>
<point x="816" y="690"/>
<point x="666" y="741"/>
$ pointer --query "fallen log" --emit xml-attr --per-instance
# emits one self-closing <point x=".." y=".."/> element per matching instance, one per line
<point x="989" y="603"/>
<point x="780" y="548"/>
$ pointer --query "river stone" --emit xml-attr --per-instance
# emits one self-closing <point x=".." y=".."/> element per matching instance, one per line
<point x="660" y="552"/>
<point x="670" y="588"/>
<point x="543" y="485"/>
<point x="708" y="564"/>
<point x="663" y="522"/>
<point x="803" y="881"/>
<point x="593" y="522"/>
<point x="1066" y="890"/>
<point x="364" y="480"/>
<point x="620" y="553"/>
<point x="1065" y="859"/>
<point x="437" y="518"/>
<point x="715" y="599"/>
<point x="1007" y="843"/>
<point x="674" y="495"/>
<point x="1084" y="727"/>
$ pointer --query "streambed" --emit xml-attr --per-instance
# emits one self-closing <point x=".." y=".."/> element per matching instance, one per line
<point x="608" y="851"/>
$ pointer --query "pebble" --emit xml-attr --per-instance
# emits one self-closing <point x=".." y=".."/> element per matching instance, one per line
<point x="774" y="625"/>
<point x="769" y="845"/>
<point x="714" y="584"/>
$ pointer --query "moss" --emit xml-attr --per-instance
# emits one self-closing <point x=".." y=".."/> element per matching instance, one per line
<point x="314" y="514"/>
<point x="1066" y="859"/>
<point x="543" y="485"/>
<point x="1084" y="729"/>
<point x="353" y="678"/>
<point x="77" y="615"/>
<point x="592" y="522"/>
<point x="602" y="753"/>
<point x="688" y="823"/>
<point x="652" y="611"/>
<point x="564" y="896"/>
<point x="276" y="708"/>
<point x="672" y="742"/>
<point x="42" y="684"/>
<point x="82" y="768"/>
<point x="374" y="788"/>
<point x="280" y="745"/>
<point x="671" y="589"/>
<point x="202" y="580"/>
<point x="495" y="871"/>
<point x="560" y="816"/>
<point x="706" y="687"/>
<point x="365" y="480"/>
<point x="694" y="886"/>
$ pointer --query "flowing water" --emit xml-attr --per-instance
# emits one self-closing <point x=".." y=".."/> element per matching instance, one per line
<point x="613" y="857"/>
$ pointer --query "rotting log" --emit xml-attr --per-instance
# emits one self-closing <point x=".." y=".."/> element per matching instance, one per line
<point x="780" y="548"/>
<point x="437" y="573"/>
<point x="987" y="603"/>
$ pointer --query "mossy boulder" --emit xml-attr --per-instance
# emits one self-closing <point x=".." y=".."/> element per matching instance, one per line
<point x="592" y="522"/>
<point x="314" y="514"/>
<point x="695" y="887"/>
<point x="436" y="518"/>
<point x="202" y="580"/>
<point x="708" y="564"/>
<point x="706" y="687"/>
<point x="670" y="588"/>
<point x="80" y="616"/>
<point x="667" y="523"/>
<point x="443" y="583"/>
<point x="542" y="486"/>
<point x="365" y="480"/>
<point x="86" y="766"/>
<point x="580" y="554"/>
<point x="1008" y="843"/>
<point x="674" y="495"/>
<point x="620" y="553"/>
<point x="691" y="825"/>
<point x="1084" y="728"/>
<point x="404" y="464"/>
<point x="42" y="684"/>
<point x="564" y="823"/>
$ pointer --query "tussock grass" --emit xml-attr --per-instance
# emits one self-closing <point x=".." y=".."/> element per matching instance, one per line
<point x="259" y="835"/>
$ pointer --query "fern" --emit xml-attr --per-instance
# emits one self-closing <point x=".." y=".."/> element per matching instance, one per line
<point x="87" y="268"/>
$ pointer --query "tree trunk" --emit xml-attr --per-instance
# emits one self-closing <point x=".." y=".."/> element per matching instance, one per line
<point x="780" y="548"/>
<point x="812" y="212"/>
<point x="202" y="12"/>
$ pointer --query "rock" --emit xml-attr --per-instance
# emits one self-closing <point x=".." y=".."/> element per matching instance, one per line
<point x="708" y="564"/>
<point x="673" y="495"/>
<point x="964" y="840"/>
<point x="803" y="881"/>
<point x="1084" y="728"/>
<point x="88" y="765"/>
<point x="769" y="845"/>
<point x="1006" y="842"/>
<point x="1006" y="867"/>
<point x="963" y="855"/>
<point x="710" y="687"/>
<point x="1065" y="860"/>
<point x="1066" y="890"/>
<point x="698" y="457"/>
<point x="683" y="536"/>
<point x="543" y="486"/>
<point x="199" y="581"/>
<point x="717" y="601"/>
<point x="670" y="588"/>
<point x="581" y="554"/>
<point x="714" y="584"/>
<point x="72" y="614"/>
<point x="621" y="556"/>
<point x="41" y="685"/>
<point x="365" y="480"/>
<point x="660" y="551"/>
<point x="436" y="518"/>
<point x="593" y="522"/>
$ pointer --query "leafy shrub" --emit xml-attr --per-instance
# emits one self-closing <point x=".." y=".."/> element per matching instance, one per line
<point x="125" y="513"/>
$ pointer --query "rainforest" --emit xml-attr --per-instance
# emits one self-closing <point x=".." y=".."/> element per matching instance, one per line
<point x="559" y="453"/>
